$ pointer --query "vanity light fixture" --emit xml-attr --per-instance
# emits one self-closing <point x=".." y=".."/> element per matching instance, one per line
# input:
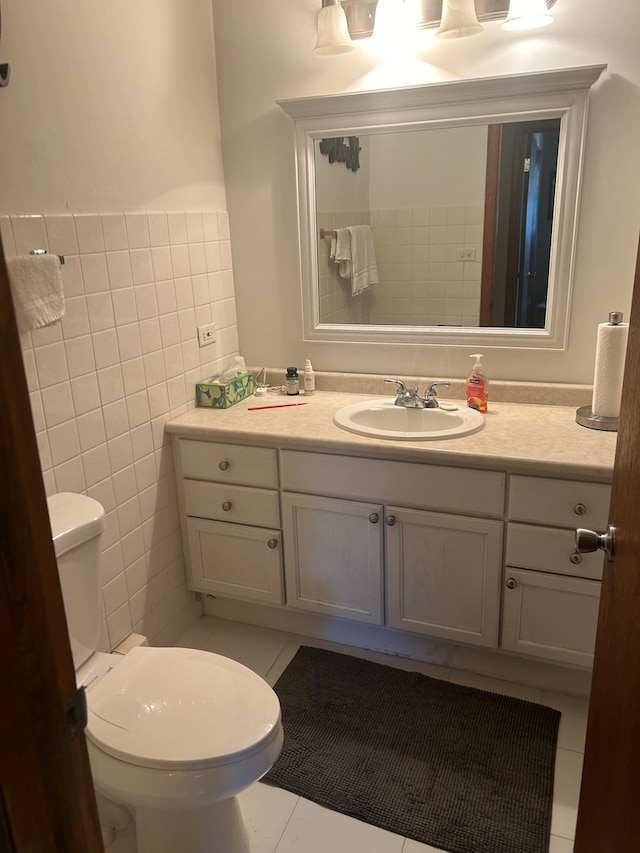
<point x="527" y="15"/>
<point x="451" y="19"/>
<point x="333" y="32"/>
<point x="459" y="20"/>
<point x="391" y="22"/>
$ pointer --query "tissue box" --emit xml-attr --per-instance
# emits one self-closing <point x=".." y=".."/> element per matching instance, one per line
<point x="221" y="395"/>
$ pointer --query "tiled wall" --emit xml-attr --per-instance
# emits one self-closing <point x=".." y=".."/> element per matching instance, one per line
<point x="105" y="380"/>
<point x="421" y="281"/>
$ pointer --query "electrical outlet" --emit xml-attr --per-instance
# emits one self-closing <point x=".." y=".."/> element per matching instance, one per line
<point x="465" y="254"/>
<point x="207" y="334"/>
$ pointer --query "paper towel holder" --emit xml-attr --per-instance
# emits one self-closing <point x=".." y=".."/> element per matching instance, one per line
<point x="584" y="415"/>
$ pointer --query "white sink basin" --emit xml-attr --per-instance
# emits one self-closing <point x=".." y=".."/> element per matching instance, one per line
<point x="383" y="419"/>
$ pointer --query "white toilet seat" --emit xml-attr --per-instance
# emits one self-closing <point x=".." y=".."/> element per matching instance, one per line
<point x="181" y="709"/>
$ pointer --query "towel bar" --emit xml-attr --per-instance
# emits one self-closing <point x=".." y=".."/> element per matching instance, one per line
<point x="327" y="232"/>
<point x="44" y="252"/>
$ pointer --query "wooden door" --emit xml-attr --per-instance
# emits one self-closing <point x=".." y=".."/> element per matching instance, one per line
<point x="609" y="812"/>
<point x="47" y="802"/>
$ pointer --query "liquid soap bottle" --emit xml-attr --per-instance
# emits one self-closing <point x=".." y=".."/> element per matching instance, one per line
<point x="477" y="385"/>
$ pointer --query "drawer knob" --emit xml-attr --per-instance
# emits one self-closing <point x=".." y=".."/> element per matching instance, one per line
<point x="374" y="518"/>
<point x="390" y="520"/>
<point x="223" y="466"/>
<point x="580" y="509"/>
<point x="576" y="558"/>
<point x="226" y="506"/>
<point x="512" y="583"/>
<point x="272" y="543"/>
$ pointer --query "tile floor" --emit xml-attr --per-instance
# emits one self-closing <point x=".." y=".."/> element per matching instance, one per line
<point x="280" y="822"/>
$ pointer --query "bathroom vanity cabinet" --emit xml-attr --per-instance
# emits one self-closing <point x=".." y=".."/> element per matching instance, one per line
<point x="478" y="557"/>
<point x="552" y="593"/>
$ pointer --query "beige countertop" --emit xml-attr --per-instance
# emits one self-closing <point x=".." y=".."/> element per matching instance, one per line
<point x="517" y="437"/>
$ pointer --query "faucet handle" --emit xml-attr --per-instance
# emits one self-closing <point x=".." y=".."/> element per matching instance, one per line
<point x="402" y="388"/>
<point x="431" y="394"/>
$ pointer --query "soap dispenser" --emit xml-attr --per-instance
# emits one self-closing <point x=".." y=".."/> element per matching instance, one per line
<point x="477" y="385"/>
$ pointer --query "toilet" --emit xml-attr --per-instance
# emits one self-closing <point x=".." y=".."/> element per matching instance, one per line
<point x="173" y="734"/>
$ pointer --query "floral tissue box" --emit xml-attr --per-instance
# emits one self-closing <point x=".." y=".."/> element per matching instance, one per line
<point x="217" y="393"/>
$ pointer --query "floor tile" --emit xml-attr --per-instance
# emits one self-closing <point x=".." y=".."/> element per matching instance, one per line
<point x="288" y="653"/>
<point x="566" y="793"/>
<point x="314" y="829"/>
<point x="573" y="723"/>
<point x="560" y="845"/>
<point x="411" y="846"/>
<point x="496" y="685"/>
<point x="266" y="811"/>
<point x="250" y="645"/>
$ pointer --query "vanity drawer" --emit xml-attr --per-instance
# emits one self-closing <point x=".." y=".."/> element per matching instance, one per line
<point x="236" y="504"/>
<point x="550" y="549"/>
<point x="228" y="463"/>
<point x="564" y="503"/>
<point x="404" y="483"/>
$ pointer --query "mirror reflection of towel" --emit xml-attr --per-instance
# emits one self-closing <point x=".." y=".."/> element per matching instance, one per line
<point x="341" y="251"/>
<point x="364" y="269"/>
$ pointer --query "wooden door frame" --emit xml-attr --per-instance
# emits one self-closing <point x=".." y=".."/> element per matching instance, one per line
<point x="47" y="801"/>
<point x="609" y="813"/>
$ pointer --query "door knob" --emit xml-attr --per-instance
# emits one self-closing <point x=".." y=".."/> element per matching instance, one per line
<point x="588" y="541"/>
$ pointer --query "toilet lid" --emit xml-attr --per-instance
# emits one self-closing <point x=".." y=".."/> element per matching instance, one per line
<point x="181" y="707"/>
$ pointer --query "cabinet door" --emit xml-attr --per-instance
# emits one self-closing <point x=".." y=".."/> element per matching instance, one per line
<point x="235" y="561"/>
<point x="333" y="556"/>
<point x="443" y="575"/>
<point x="550" y="616"/>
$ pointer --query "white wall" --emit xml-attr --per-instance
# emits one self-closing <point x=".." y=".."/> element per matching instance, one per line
<point x="111" y="156"/>
<point x="434" y="168"/>
<point x="264" y="53"/>
<point x="111" y="106"/>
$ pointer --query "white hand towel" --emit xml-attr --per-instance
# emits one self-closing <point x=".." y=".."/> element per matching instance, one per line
<point x="364" y="269"/>
<point x="342" y="252"/>
<point x="36" y="286"/>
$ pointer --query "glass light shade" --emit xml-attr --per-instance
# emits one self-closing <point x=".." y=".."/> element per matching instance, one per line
<point x="527" y="15"/>
<point x="333" y="33"/>
<point x="458" y="20"/>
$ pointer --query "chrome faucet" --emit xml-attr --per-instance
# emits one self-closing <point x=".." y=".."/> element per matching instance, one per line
<point x="409" y="398"/>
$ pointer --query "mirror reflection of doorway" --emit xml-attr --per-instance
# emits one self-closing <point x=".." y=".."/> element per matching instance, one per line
<point x="521" y="175"/>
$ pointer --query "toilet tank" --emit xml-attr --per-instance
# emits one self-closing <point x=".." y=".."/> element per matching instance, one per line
<point x="77" y="522"/>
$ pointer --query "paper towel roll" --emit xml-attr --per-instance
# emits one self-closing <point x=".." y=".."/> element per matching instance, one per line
<point x="611" y="347"/>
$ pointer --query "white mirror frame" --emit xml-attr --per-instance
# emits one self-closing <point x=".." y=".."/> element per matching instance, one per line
<point x="560" y="94"/>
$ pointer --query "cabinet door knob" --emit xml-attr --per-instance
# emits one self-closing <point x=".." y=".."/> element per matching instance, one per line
<point x="272" y="543"/>
<point x="226" y="506"/>
<point x="374" y="518"/>
<point x="576" y="558"/>
<point x="580" y="509"/>
<point x="390" y="520"/>
<point x="223" y="466"/>
<point x="512" y="583"/>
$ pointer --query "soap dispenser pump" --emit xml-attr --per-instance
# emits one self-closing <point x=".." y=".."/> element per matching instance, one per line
<point x="477" y="385"/>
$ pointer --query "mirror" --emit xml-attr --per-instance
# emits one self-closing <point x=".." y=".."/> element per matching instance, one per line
<point x="470" y="191"/>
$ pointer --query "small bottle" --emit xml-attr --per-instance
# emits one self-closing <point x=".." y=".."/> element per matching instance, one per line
<point x="309" y="378"/>
<point x="292" y="381"/>
<point x="477" y="385"/>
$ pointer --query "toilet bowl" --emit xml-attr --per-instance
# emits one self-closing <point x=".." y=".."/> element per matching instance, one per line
<point x="173" y="734"/>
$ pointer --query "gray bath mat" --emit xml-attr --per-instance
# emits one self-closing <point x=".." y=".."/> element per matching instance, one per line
<point x="460" y="769"/>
